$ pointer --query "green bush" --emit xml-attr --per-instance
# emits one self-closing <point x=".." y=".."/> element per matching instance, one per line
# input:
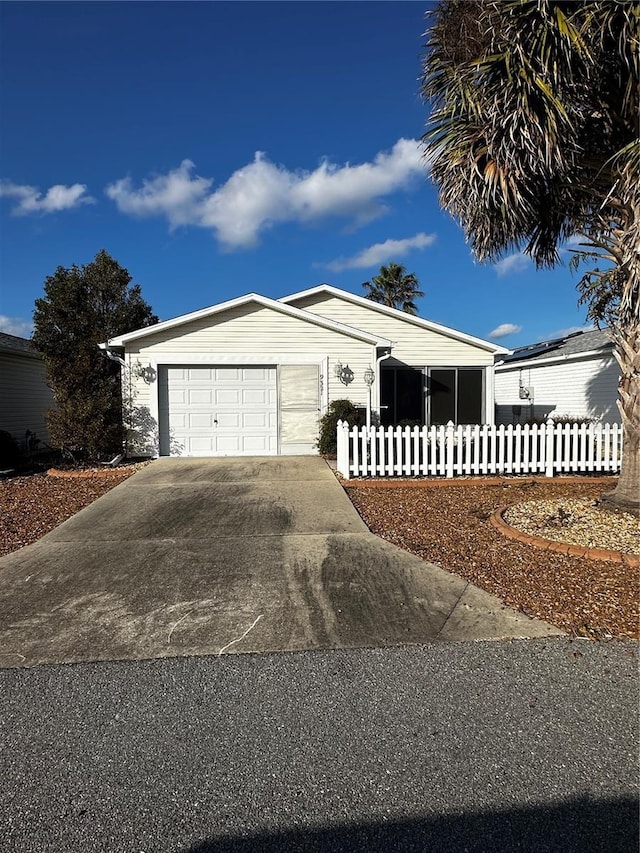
<point x="339" y="410"/>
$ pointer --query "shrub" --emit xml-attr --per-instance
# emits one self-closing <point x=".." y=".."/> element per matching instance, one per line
<point x="562" y="419"/>
<point x="339" y="410"/>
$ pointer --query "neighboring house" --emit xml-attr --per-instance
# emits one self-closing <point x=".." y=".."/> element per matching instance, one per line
<point x="25" y="396"/>
<point x="576" y="375"/>
<point x="253" y="375"/>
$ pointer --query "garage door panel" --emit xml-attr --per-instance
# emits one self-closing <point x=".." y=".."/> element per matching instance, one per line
<point x="200" y="396"/>
<point x="226" y="375"/>
<point x="256" y="374"/>
<point x="255" y="420"/>
<point x="227" y="396"/>
<point x="199" y="375"/>
<point x="228" y="420"/>
<point x="260" y="396"/>
<point x="176" y="373"/>
<point x="178" y="396"/>
<point x="201" y="420"/>
<point x="228" y="443"/>
<point x="200" y="444"/>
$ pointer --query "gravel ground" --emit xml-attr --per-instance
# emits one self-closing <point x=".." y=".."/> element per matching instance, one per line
<point x="449" y="526"/>
<point x="578" y="521"/>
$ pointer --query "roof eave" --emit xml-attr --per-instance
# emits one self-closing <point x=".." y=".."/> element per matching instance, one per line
<point x="602" y="352"/>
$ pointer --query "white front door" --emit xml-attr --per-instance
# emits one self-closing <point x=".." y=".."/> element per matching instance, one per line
<point x="218" y="411"/>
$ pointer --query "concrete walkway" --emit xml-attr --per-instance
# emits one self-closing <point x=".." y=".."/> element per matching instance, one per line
<point x="200" y="557"/>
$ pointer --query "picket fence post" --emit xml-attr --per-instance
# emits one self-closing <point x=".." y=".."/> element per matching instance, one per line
<point x="549" y="447"/>
<point x="342" y="452"/>
<point x="449" y="449"/>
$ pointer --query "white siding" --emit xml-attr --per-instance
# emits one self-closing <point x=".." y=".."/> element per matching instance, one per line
<point x="414" y="345"/>
<point x="585" y="387"/>
<point x="25" y="396"/>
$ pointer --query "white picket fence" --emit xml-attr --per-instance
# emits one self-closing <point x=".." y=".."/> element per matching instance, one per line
<point x="455" y="451"/>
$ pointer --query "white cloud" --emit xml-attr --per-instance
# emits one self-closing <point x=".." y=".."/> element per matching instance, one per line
<point x="377" y="254"/>
<point x="58" y="197"/>
<point x="16" y="326"/>
<point x="175" y="195"/>
<point x="262" y="194"/>
<point x="505" y="329"/>
<point x="518" y="262"/>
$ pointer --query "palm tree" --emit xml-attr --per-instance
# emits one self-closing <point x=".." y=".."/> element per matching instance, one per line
<point x="533" y="138"/>
<point x="394" y="287"/>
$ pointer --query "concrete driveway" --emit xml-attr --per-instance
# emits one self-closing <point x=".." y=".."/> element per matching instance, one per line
<point x="210" y="556"/>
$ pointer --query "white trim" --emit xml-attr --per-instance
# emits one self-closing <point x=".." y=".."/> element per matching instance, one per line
<point x="214" y="358"/>
<point x="489" y="395"/>
<point x="522" y="363"/>
<point x="324" y="396"/>
<point x="394" y="312"/>
<point x="265" y="302"/>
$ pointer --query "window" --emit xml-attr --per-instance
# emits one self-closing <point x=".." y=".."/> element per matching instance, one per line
<point x="452" y="394"/>
<point x="455" y="394"/>
<point x="401" y="395"/>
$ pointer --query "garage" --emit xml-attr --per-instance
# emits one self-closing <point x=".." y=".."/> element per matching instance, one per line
<point x="218" y="410"/>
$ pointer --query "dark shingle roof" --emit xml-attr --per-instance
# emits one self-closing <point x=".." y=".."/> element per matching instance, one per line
<point x="19" y="346"/>
<point x="578" y="342"/>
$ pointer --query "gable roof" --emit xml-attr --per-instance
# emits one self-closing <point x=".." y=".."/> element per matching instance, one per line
<point x="249" y="298"/>
<point x="329" y="290"/>
<point x="578" y="344"/>
<point x="17" y="346"/>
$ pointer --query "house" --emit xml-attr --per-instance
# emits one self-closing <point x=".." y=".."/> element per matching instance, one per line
<point x="25" y="396"/>
<point x="576" y="375"/>
<point x="253" y="375"/>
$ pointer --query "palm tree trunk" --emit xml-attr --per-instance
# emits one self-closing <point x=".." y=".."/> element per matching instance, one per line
<point x="626" y="496"/>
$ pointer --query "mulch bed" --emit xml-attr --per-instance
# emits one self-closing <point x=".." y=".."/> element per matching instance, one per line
<point x="32" y="506"/>
<point x="450" y="526"/>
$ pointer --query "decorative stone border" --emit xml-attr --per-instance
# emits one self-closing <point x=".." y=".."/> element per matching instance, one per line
<point x="497" y="520"/>
<point x="90" y="472"/>
<point x="443" y="482"/>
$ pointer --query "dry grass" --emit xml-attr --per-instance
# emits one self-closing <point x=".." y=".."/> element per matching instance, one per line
<point x="449" y="526"/>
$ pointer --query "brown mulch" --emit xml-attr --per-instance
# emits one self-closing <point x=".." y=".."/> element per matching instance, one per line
<point x="32" y="506"/>
<point x="449" y="526"/>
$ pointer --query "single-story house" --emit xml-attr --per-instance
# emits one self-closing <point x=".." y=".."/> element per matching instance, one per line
<point x="576" y="375"/>
<point x="24" y="394"/>
<point x="253" y="375"/>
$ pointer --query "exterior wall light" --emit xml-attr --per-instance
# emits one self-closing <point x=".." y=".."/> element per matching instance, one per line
<point x="343" y="372"/>
<point x="147" y="374"/>
<point x="369" y="378"/>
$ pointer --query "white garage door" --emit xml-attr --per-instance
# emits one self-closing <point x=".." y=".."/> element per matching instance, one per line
<point x="219" y="411"/>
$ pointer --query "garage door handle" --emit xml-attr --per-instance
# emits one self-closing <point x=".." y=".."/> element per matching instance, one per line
<point x="215" y="420"/>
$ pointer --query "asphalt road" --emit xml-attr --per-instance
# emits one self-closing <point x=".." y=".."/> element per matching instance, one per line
<point x="523" y="745"/>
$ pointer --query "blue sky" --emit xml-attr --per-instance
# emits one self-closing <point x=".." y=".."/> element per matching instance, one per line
<point x="215" y="149"/>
